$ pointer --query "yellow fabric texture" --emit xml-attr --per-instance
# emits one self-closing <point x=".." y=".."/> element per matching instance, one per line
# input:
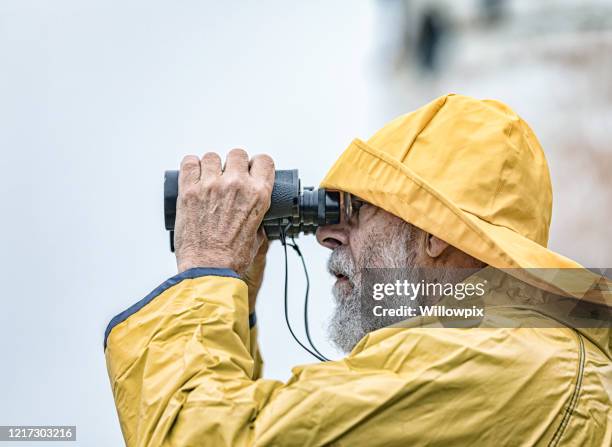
<point x="183" y="374"/>
<point x="185" y="369"/>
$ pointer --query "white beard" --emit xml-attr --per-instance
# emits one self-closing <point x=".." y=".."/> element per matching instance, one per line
<point x="395" y="249"/>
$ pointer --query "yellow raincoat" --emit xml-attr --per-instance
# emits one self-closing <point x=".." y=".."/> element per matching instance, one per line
<point x="185" y="367"/>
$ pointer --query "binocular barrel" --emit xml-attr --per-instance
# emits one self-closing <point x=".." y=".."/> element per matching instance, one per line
<point x="292" y="210"/>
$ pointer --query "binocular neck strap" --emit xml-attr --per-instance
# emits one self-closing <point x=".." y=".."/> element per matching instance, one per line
<point x="314" y="352"/>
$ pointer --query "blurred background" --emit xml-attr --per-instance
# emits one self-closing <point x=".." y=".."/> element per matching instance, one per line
<point x="98" y="98"/>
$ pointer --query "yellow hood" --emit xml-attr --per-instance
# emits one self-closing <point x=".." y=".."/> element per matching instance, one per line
<point x="468" y="171"/>
<point x="472" y="173"/>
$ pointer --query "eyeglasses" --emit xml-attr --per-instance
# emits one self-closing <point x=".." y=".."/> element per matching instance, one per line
<point x="349" y="206"/>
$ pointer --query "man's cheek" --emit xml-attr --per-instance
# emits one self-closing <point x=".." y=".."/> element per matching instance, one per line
<point x="355" y="245"/>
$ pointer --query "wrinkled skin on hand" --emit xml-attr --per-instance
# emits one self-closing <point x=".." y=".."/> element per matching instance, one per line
<point x="219" y="214"/>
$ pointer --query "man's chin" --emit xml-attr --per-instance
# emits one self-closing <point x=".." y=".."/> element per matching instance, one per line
<point x="344" y="331"/>
<point x="345" y="328"/>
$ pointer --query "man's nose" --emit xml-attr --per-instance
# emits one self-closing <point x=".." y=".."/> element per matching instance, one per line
<point x="332" y="236"/>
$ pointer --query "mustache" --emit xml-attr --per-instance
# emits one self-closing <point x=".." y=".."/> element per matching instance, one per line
<point x="341" y="262"/>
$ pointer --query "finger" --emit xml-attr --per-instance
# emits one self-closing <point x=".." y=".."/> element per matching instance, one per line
<point x="237" y="161"/>
<point x="262" y="166"/>
<point x="211" y="166"/>
<point x="190" y="171"/>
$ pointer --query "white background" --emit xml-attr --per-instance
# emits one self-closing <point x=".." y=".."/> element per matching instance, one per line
<point x="97" y="100"/>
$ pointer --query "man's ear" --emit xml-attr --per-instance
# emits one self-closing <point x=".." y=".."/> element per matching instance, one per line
<point x="435" y="246"/>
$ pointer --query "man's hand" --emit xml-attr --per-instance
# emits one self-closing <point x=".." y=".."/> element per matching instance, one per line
<point x="218" y="212"/>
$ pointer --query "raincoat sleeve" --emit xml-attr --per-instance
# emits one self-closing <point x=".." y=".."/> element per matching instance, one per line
<point x="184" y="367"/>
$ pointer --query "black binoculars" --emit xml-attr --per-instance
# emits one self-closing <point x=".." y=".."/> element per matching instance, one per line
<point x="293" y="209"/>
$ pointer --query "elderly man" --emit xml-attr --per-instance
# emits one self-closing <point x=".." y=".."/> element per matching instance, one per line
<point x="459" y="183"/>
